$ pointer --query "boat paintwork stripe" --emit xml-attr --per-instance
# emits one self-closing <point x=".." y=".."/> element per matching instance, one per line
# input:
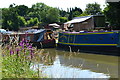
<point x="89" y="33"/>
<point x="89" y="44"/>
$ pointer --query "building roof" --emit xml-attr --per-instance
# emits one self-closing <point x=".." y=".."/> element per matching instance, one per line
<point x="79" y="19"/>
<point x="112" y="0"/>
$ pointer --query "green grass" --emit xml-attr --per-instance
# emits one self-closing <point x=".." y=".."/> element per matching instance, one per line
<point x="0" y="63"/>
<point x="16" y="61"/>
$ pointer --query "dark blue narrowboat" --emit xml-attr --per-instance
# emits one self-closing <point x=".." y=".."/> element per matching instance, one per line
<point x="107" y="42"/>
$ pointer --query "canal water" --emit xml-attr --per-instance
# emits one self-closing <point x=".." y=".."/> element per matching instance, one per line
<point x="65" y="64"/>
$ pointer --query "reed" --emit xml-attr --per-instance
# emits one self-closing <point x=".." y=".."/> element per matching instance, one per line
<point x="17" y="59"/>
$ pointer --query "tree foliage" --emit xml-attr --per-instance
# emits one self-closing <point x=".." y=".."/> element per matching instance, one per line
<point x="74" y="12"/>
<point x="52" y="15"/>
<point x="22" y="10"/>
<point x="63" y="19"/>
<point x="92" y="9"/>
<point x="46" y="13"/>
<point x="17" y="16"/>
<point x="10" y="19"/>
<point x="112" y="13"/>
<point x="22" y="21"/>
<point x="32" y="22"/>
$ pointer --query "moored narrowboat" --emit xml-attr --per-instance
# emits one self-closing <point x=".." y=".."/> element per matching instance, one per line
<point x="104" y="42"/>
<point x="39" y="38"/>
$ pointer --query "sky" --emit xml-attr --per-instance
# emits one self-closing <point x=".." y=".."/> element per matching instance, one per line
<point x="64" y="4"/>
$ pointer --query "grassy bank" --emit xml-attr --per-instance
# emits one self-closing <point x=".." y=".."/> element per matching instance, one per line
<point x="17" y="59"/>
<point x="0" y="63"/>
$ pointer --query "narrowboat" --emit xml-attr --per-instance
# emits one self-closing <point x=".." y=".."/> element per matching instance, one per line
<point x="102" y="42"/>
<point x="39" y="38"/>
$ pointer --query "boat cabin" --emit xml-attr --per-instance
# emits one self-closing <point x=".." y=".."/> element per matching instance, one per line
<point x="86" y="23"/>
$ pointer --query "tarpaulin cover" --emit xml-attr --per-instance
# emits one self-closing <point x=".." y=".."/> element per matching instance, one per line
<point x="38" y="34"/>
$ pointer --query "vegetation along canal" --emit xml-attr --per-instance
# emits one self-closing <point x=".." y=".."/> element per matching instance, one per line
<point x="62" y="64"/>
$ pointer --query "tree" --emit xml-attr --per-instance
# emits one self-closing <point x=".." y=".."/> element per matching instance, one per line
<point x="22" y="10"/>
<point x="35" y="15"/>
<point x="32" y="22"/>
<point x="93" y="9"/>
<point x="10" y="19"/>
<point x="77" y="12"/>
<point x="74" y="12"/>
<point x="52" y="15"/>
<point x="22" y="22"/>
<point x="0" y="17"/>
<point x="40" y="10"/>
<point x="70" y="14"/>
<point x="63" y="19"/>
<point x="112" y="13"/>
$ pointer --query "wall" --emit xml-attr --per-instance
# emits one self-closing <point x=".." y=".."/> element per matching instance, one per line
<point x="86" y="25"/>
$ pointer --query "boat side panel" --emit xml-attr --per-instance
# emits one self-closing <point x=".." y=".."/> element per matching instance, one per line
<point x="110" y="39"/>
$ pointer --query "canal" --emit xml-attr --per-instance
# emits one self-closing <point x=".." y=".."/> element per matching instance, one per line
<point x="65" y="64"/>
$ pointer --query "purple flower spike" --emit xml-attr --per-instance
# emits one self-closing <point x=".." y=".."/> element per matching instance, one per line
<point x="27" y="44"/>
<point x="11" y="52"/>
<point x="17" y="50"/>
<point x="30" y="46"/>
<point x="22" y="45"/>
<point x="23" y="40"/>
<point x="32" y="54"/>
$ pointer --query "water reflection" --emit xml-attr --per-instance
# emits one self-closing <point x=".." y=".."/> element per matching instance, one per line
<point x="62" y="64"/>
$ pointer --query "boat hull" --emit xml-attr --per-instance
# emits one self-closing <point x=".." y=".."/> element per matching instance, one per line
<point x="50" y="43"/>
<point x="105" y="50"/>
<point x="100" y="43"/>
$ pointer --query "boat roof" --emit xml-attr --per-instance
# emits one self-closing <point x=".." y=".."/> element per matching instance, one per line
<point x="91" y="32"/>
<point x="34" y="31"/>
<point x="79" y="19"/>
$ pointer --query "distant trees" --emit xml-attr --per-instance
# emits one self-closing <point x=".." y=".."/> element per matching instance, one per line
<point x="52" y="15"/>
<point x="74" y="12"/>
<point x="112" y="13"/>
<point x="0" y="18"/>
<point x="45" y="13"/>
<point x="10" y="19"/>
<point x="63" y="19"/>
<point x="92" y="9"/>
<point x="22" y="10"/>
<point x="17" y="16"/>
<point x="32" y="22"/>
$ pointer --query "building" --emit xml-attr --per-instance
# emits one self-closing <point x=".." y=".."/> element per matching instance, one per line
<point x="86" y="23"/>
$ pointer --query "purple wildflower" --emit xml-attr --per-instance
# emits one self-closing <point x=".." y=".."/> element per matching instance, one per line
<point x="27" y="44"/>
<point x="23" y="40"/>
<point x="31" y="53"/>
<point x="30" y="46"/>
<point x="17" y="51"/>
<point x="22" y="44"/>
<point x="11" y="52"/>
